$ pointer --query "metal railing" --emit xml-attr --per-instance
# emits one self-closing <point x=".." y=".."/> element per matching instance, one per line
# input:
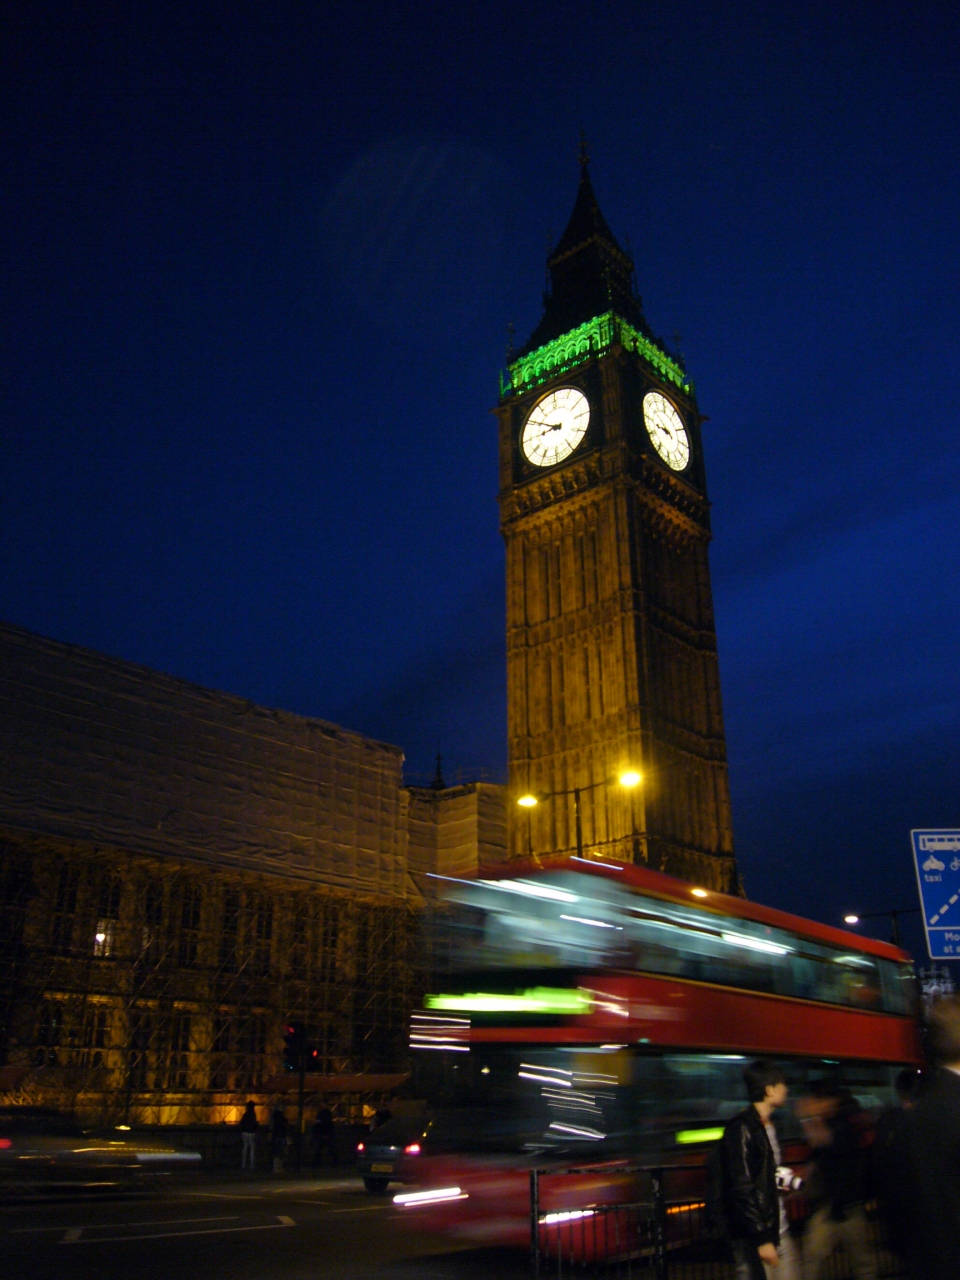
<point x="620" y="1221"/>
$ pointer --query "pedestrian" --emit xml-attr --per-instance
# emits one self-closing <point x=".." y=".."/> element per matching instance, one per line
<point x="249" y="1128"/>
<point x="752" y="1209"/>
<point x="927" y="1150"/>
<point x="835" y="1185"/>
<point x="278" y="1138"/>
<point x="324" y="1137"/>
<point x="885" y="1170"/>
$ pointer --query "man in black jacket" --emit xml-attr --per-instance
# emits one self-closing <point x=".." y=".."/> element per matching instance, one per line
<point x="755" y="1220"/>
<point x="926" y="1223"/>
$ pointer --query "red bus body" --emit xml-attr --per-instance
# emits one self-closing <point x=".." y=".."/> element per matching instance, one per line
<point x="649" y="1014"/>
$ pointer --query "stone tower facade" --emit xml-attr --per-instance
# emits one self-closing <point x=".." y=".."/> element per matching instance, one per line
<point x="611" y="645"/>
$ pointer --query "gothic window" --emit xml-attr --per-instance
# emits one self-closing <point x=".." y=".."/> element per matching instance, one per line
<point x="141" y="1042"/>
<point x="220" y="1059"/>
<point x="174" y="1073"/>
<point x="49" y="1033"/>
<point x="152" y="922"/>
<point x="262" y="935"/>
<point x="251" y="1051"/>
<point x="297" y="958"/>
<point x="190" y="901"/>
<point x="94" y="1036"/>
<point x="329" y="933"/>
<point x="229" y="930"/>
<point x="104" y="937"/>
<point x="64" y="909"/>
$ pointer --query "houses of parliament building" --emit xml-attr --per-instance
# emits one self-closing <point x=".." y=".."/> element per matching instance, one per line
<point x="182" y="871"/>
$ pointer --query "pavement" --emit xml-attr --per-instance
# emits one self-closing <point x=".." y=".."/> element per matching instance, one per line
<point x="245" y="1227"/>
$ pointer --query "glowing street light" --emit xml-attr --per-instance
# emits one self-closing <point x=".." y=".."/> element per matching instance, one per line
<point x="628" y="779"/>
<point x="851" y="919"/>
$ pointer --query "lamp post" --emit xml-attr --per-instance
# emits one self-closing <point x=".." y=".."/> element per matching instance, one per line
<point x="894" y="915"/>
<point x="629" y="778"/>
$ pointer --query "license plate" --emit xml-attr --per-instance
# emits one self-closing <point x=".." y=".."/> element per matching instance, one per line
<point x="381" y="1168"/>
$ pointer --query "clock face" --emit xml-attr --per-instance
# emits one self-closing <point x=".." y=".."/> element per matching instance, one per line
<point x="555" y="427"/>
<point x="666" y="430"/>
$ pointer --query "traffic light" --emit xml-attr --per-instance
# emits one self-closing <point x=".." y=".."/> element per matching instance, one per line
<point x="313" y="1058"/>
<point x="294" y="1045"/>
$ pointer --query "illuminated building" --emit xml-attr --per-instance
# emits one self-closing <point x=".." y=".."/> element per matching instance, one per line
<point x="611" y="645"/>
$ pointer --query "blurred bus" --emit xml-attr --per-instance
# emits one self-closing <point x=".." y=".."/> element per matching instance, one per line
<point x="588" y="1012"/>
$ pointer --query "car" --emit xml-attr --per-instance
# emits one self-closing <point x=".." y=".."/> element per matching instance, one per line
<point x="384" y="1155"/>
<point x="44" y="1152"/>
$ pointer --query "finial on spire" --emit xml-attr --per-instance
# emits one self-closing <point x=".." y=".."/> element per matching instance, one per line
<point x="438" y="783"/>
<point x="584" y="150"/>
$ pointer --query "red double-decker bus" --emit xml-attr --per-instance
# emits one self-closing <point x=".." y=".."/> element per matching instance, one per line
<point x="593" y="1012"/>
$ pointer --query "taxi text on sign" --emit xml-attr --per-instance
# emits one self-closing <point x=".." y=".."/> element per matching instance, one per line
<point x="936" y="856"/>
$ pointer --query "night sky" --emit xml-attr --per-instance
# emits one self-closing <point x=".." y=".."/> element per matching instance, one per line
<point x="258" y="265"/>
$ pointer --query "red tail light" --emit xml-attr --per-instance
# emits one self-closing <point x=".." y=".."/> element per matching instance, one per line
<point x="412" y="1150"/>
<point x="361" y="1147"/>
<point x="6" y="1144"/>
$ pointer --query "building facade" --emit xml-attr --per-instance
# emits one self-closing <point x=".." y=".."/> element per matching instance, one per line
<point x="611" y="646"/>
<point x="182" y="872"/>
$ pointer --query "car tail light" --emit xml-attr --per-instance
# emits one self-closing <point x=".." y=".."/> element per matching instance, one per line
<point x="361" y="1147"/>
<point x="6" y="1144"/>
<point x="412" y="1150"/>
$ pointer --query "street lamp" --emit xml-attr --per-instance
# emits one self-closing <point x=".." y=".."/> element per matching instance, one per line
<point x="629" y="778"/>
<point x="893" y="914"/>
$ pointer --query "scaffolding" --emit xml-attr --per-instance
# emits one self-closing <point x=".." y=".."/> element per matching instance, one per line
<point x="141" y="990"/>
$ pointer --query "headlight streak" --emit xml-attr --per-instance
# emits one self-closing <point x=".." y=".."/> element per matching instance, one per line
<point x="432" y="1031"/>
<point x="410" y="1199"/>
<point x="570" y="1215"/>
<point x="529" y="1075"/>
<point x="591" y="1135"/>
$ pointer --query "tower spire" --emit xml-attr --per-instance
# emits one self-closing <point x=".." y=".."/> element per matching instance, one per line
<point x="590" y="273"/>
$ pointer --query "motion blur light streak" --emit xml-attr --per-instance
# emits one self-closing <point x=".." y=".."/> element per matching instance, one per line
<point x="534" y="1000"/>
<point x="524" y="887"/>
<point x="570" y="1215"/>
<point x="597" y="924"/>
<point x="686" y="1136"/>
<point x="592" y="1135"/>
<point x="754" y="944"/>
<point x="410" y="1199"/>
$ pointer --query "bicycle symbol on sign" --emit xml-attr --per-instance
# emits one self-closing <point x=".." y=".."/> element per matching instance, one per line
<point x="955" y="865"/>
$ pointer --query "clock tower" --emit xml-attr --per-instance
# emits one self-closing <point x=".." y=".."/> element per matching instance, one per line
<point x="611" y="647"/>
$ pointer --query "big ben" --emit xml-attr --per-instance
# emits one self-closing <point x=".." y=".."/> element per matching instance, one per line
<point x="612" y="669"/>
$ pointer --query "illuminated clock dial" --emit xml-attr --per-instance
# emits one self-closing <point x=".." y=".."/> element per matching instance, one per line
<point x="666" y="430"/>
<point x="555" y="427"/>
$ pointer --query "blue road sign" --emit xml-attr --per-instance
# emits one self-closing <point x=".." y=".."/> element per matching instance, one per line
<point x="936" y="856"/>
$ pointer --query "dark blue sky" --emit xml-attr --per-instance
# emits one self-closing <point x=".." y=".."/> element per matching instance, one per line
<point x="258" y="263"/>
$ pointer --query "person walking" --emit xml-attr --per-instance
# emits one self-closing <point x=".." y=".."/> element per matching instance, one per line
<point x="249" y="1128"/>
<point x="751" y="1206"/>
<point x="835" y="1185"/>
<point x="278" y="1138"/>
<point x="926" y="1227"/>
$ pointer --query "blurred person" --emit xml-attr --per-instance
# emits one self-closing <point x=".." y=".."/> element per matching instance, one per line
<point x="836" y="1181"/>
<point x="925" y="1219"/>
<point x="752" y="1208"/>
<point x="249" y="1128"/>
<point x="886" y="1157"/>
<point x="278" y="1138"/>
<point x="324" y="1137"/>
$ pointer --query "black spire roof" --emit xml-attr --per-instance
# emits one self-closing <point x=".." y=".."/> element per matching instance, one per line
<point x="589" y="273"/>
